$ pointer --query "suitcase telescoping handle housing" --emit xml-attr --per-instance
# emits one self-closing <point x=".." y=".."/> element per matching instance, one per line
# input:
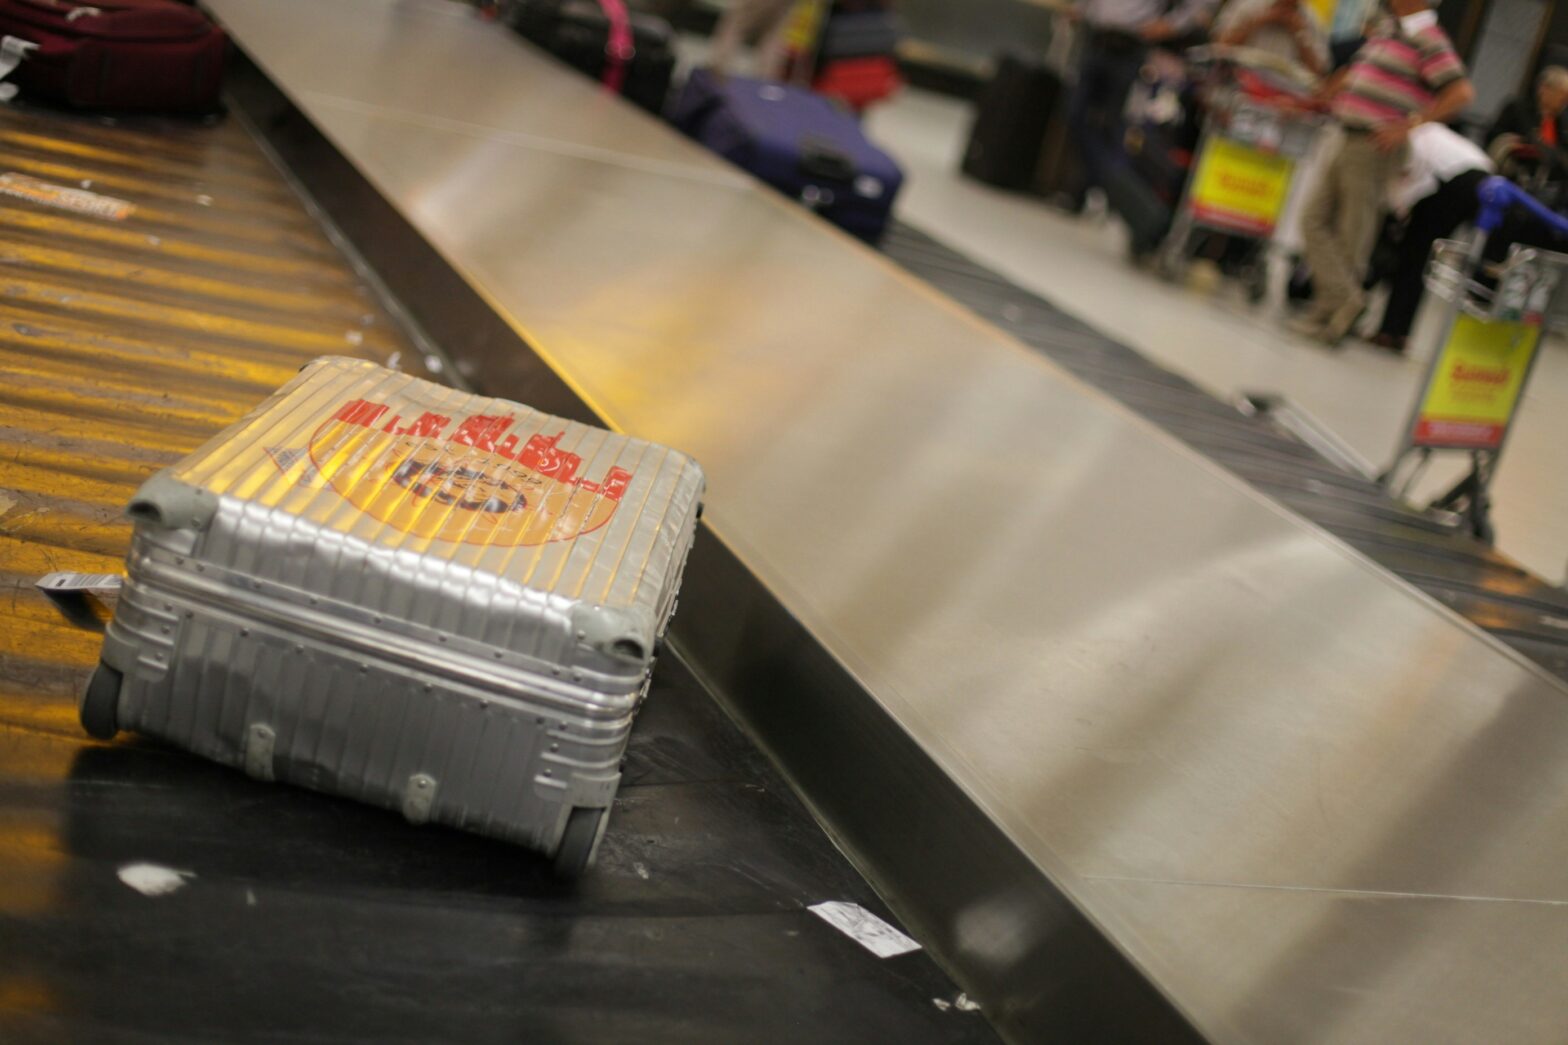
<point x="821" y="160"/>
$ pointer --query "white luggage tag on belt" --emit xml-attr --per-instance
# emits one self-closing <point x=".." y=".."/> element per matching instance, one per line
<point x="64" y="582"/>
<point x="12" y="50"/>
<point x="70" y="591"/>
<point x="865" y="928"/>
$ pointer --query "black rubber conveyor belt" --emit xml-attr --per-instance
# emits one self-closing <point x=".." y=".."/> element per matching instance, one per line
<point x="125" y="343"/>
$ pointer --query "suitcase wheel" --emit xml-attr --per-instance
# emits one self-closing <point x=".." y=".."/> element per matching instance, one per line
<point x="577" y="845"/>
<point x="101" y="701"/>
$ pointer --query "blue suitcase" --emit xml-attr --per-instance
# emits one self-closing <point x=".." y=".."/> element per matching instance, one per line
<point x="800" y="143"/>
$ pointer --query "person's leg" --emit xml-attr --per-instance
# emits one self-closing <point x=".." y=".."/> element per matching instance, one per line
<point x="773" y="50"/>
<point x="1431" y="219"/>
<point x="1364" y="174"/>
<point x="1320" y="244"/>
<point x="1127" y="190"/>
<point x="1105" y="76"/>
<point x="729" y="35"/>
<point x="738" y="24"/>
<point x="1120" y="73"/>
<point x="1404" y="286"/>
<point x="1083" y="106"/>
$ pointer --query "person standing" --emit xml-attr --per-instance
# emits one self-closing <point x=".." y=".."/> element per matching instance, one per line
<point x="1540" y="119"/>
<point x="1117" y="37"/>
<point x="1406" y="75"/>
<point x="1439" y="191"/>
<point x="1529" y="139"/>
<point x="1286" y="29"/>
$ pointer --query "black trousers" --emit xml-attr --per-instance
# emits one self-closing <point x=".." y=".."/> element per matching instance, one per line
<point x="1108" y="68"/>
<point x="1435" y="217"/>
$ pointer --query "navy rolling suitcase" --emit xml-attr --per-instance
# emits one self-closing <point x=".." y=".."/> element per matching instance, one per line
<point x="800" y="143"/>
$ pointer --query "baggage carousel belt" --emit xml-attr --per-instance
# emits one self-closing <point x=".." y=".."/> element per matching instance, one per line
<point x="126" y="342"/>
<point x="1473" y="579"/>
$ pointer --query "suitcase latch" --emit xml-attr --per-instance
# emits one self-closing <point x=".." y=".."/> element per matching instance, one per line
<point x="259" y="743"/>
<point x="418" y="796"/>
<point x="815" y="197"/>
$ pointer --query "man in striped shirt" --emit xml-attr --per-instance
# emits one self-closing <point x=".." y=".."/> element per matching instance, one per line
<point x="1407" y="74"/>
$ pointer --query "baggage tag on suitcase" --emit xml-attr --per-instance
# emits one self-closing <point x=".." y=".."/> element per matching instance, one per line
<point x="430" y="601"/>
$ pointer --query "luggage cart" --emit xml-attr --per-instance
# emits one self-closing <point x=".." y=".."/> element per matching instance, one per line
<point x="1485" y="351"/>
<point x="1255" y="135"/>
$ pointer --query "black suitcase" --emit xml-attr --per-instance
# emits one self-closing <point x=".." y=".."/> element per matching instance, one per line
<point x="1014" y="113"/>
<point x="578" y="33"/>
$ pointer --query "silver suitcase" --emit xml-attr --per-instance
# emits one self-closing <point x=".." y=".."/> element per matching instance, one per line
<point x="426" y="600"/>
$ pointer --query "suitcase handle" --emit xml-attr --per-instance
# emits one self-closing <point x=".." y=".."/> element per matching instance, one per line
<point x="820" y="158"/>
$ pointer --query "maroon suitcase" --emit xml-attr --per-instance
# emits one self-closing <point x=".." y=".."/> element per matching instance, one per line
<point x="117" y="54"/>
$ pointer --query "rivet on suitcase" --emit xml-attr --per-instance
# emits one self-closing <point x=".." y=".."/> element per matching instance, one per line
<point x="430" y="601"/>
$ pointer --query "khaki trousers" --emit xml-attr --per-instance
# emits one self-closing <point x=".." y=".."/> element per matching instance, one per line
<point x="1340" y="221"/>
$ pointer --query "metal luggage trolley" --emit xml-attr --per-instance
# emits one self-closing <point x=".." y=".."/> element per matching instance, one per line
<point x="1244" y="173"/>
<point x="1486" y="349"/>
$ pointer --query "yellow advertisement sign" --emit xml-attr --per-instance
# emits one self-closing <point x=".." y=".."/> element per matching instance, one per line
<point x="1475" y="384"/>
<point x="1239" y="187"/>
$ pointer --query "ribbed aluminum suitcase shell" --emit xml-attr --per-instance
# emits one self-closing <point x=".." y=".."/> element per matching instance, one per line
<point x="385" y="589"/>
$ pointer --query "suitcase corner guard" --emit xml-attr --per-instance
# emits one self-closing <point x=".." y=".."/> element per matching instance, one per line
<point x="174" y="505"/>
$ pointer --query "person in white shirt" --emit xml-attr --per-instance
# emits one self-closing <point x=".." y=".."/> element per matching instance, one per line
<point x="1437" y="189"/>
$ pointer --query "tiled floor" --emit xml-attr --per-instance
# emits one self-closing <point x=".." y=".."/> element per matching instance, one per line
<point x="1213" y="337"/>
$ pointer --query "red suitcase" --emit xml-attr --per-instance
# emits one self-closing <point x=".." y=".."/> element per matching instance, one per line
<point x="116" y="54"/>
<point x="859" y="82"/>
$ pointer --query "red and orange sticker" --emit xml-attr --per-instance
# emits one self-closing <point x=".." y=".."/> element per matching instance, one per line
<point x="475" y="482"/>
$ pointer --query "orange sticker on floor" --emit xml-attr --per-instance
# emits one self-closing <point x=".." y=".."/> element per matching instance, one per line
<point x="468" y="480"/>
<point x="62" y="197"/>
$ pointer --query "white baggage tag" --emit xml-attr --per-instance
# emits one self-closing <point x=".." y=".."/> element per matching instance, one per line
<point x="865" y="928"/>
<point x="71" y="594"/>
<point x="64" y="581"/>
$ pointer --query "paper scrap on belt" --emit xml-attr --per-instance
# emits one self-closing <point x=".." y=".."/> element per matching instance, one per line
<point x="67" y="581"/>
<point x="62" y="197"/>
<point x="865" y="928"/>
<point x="153" y="879"/>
